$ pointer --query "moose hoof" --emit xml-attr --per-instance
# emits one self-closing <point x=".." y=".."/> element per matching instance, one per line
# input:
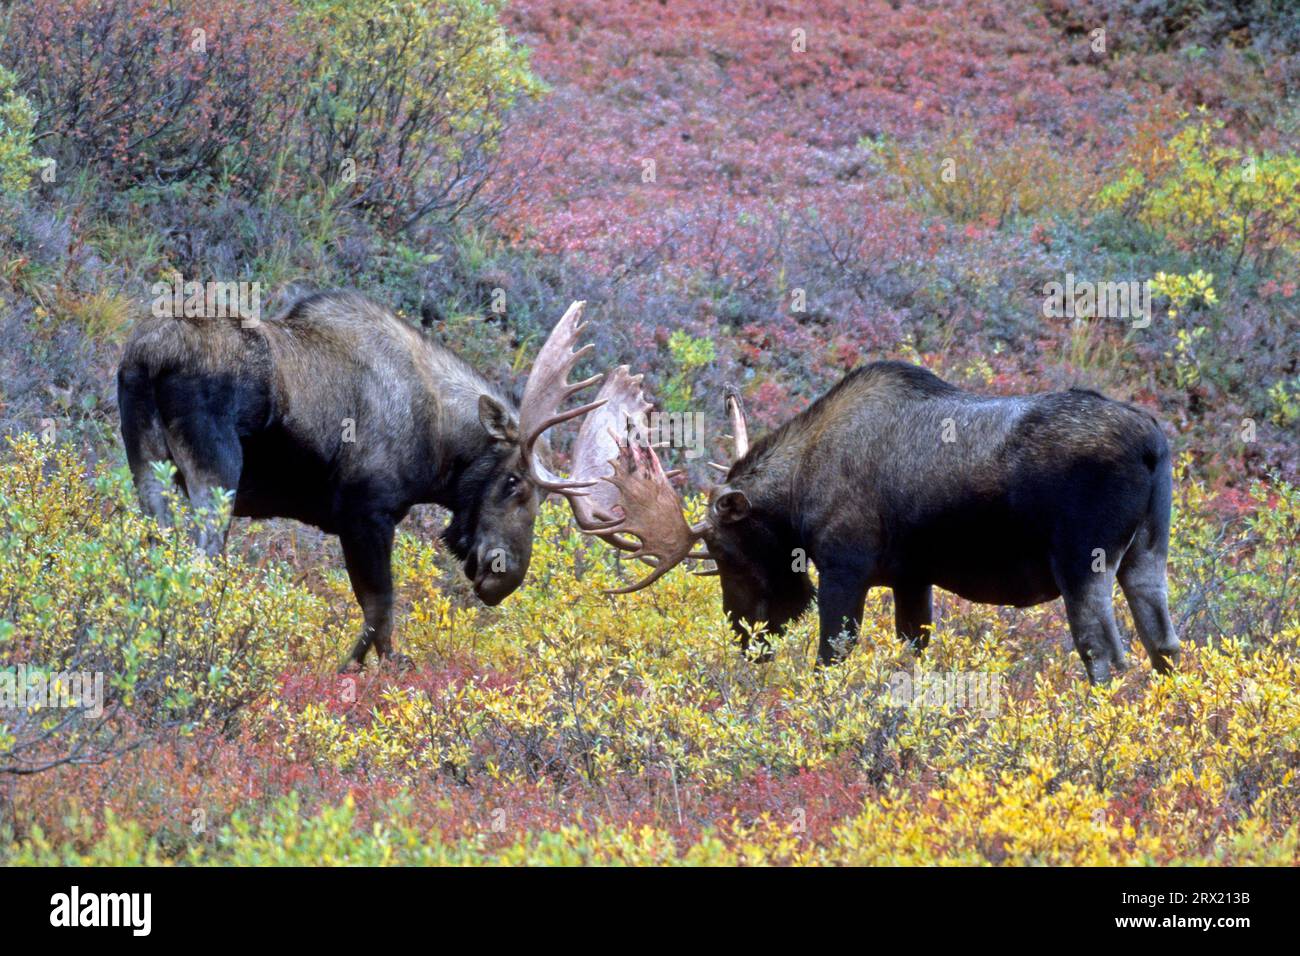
<point x="1164" y="663"/>
<point x="398" y="662"/>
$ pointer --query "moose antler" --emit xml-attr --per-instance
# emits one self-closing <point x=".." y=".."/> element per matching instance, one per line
<point x="634" y="507"/>
<point x="547" y="389"/>
<point x="652" y="513"/>
<point x="621" y="418"/>
<point x="739" y="429"/>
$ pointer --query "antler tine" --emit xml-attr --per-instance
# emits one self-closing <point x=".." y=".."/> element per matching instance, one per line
<point x="739" y="429"/>
<point x="662" y="569"/>
<point x="547" y="389"/>
<point x="652" y="513"/>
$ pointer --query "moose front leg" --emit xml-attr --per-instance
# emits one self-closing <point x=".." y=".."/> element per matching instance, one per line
<point x="368" y="552"/>
<point x="840" y="599"/>
<point x="913" y="614"/>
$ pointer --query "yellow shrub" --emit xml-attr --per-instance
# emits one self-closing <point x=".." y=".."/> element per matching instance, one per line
<point x="17" y="120"/>
<point x="1204" y="193"/>
<point x="968" y="180"/>
<point x="572" y="688"/>
<point x="88" y="585"/>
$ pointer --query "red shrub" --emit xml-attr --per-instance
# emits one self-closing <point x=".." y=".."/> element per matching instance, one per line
<point x="156" y="90"/>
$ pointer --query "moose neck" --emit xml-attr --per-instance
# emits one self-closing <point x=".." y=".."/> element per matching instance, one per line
<point x="785" y="541"/>
<point x="768" y="475"/>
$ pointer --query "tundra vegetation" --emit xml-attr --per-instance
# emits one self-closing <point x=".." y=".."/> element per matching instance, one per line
<point x="750" y="193"/>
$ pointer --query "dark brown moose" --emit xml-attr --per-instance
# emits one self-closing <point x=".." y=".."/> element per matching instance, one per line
<point x="342" y="416"/>
<point x="896" y="478"/>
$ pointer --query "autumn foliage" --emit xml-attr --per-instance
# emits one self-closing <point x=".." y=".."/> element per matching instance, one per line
<point x="570" y="726"/>
<point x="394" y="107"/>
<point x="764" y="194"/>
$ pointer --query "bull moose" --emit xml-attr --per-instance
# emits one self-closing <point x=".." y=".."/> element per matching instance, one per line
<point x="899" y="479"/>
<point x="341" y="415"/>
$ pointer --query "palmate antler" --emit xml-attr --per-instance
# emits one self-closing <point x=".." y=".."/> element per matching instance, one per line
<point x="621" y="418"/>
<point x="547" y="389"/>
<point x="635" y="499"/>
<point x="652" y="513"/>
<point x="618" y="491"/>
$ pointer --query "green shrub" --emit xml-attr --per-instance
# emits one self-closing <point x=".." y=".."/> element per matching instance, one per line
<point x="89" y="586"/>
<point x="148" y="91"/>
<point x="690" y="354"/>
<point x="406" y="100"/>
<point x="1205" y="194"/>
<point x="17" y="120"/>
<point x="392" y="106"/>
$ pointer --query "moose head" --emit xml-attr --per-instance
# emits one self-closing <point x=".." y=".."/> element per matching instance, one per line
<point x="491" y="531"/>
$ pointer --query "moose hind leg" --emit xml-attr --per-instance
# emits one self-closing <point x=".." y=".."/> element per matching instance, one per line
<point x="1091" y="613"/>
<point x="199" y="421"/>
<point x="1143" y="579"/>
<point x="145" y="441"/>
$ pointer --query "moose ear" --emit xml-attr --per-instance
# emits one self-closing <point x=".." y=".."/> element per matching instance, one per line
<point x="731" y="506"/>
<point x="498" y="422"/>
